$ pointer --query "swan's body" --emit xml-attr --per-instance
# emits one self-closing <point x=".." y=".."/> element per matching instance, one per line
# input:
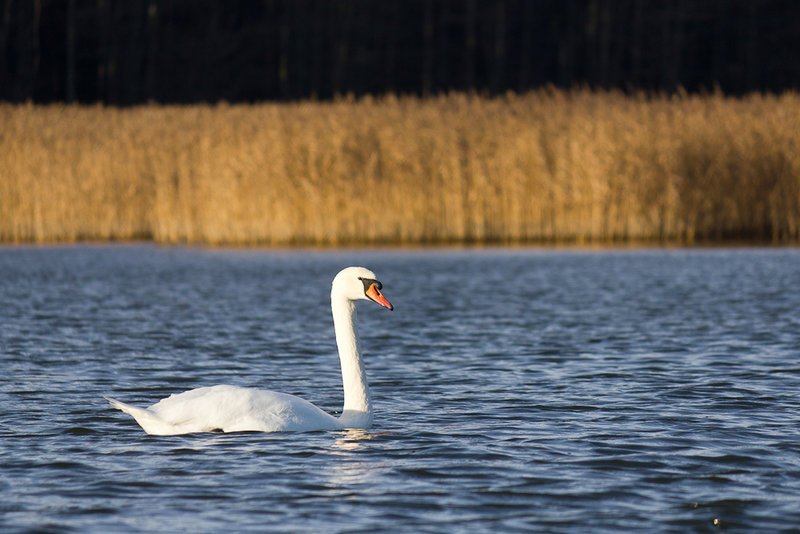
<point x="237" y="409"/>
<point x="229" y="409"/>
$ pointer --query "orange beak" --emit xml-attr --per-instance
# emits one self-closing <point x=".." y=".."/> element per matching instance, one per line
<point x="374" y="293"/>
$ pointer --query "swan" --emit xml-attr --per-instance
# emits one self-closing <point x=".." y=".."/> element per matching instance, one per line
<point x="238" y="409"/>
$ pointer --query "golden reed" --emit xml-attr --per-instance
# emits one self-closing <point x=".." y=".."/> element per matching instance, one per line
<point x="548" y="166"/>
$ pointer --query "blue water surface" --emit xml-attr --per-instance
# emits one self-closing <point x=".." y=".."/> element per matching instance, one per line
<point x="515" y="391"/>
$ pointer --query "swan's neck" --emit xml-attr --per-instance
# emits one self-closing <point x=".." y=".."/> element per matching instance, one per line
<point x="357" y="411"/>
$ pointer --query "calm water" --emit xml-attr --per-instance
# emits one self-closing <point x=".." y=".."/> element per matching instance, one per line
<point x="647" y="391"/>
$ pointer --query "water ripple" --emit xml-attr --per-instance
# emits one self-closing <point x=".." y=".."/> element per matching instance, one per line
<point x="516" y="391"/>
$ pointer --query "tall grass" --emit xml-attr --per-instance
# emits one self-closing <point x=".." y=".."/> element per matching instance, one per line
<point x="547" y="166"/>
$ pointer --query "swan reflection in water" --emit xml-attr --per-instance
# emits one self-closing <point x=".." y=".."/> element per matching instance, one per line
<point x="353" y="462"/>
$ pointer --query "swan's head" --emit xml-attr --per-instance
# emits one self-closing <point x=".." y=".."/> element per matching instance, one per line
<point x="358" y="283"/>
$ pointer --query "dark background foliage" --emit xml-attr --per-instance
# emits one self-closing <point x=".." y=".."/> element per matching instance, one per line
<point x="125" y="52"/>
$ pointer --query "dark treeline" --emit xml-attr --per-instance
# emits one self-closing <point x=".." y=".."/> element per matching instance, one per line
<point x="125" y="52"/>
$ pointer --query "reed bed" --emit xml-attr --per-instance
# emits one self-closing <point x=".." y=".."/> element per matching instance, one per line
<point x="549" y="166"/>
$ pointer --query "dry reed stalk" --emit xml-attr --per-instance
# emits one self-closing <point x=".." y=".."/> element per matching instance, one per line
<point x="547" y="166"/>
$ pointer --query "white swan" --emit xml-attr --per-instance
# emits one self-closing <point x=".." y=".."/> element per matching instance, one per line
<point x="237" y="409"/>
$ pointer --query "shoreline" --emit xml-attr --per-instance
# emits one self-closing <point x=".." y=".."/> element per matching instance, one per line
<point x="547" y="167"/>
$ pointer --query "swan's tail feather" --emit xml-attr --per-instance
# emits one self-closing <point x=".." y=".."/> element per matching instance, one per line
<point x="119" y="405"/>
<point x="149" y="421"/>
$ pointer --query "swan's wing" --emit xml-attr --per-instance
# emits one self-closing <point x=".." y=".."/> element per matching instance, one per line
<point x="285" y="412"/>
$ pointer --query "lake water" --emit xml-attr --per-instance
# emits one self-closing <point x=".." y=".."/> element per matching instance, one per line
<point x="515" y="390"/>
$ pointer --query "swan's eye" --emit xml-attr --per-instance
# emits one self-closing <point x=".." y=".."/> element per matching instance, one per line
<point x="369" y="282"/>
